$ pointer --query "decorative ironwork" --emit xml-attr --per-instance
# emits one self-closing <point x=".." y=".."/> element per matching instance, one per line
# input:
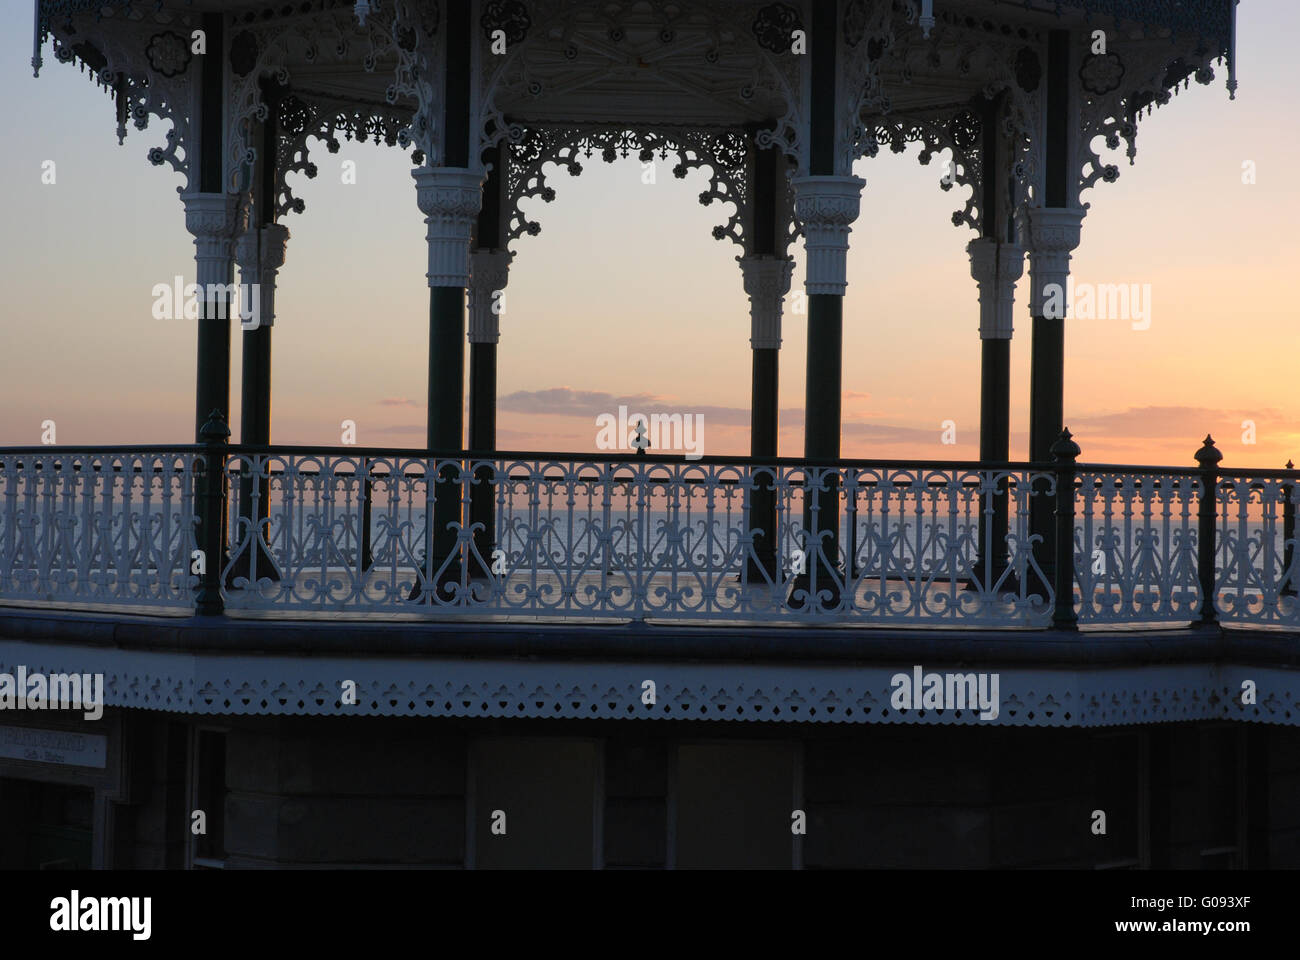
<point x="223" y="682"/>
<point x="121" y="58"/>
<point x="644" y="537"/>
<point x="90" y="527"/>
<point x="1149" y="75"/>
<point x="936" y="135"/>
<point x="243" y="53"/>
<point x="1005" y="60"/>
<point x="722" y="153"/>
<point x="168" y="53"/>
<point x="854" y="25"/>
<point x="1258" y="565"/>
<point x="302" y="120"/>
<point x="774" y="26"/>
<point x="633" y="539"/>
<point x="508" y="16"/>
<point x="1135" y="547"/>
<point x="1100" y="73"/>
<point x="1029" y="70"/>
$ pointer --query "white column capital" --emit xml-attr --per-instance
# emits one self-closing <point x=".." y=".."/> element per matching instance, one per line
<point x="767" y="281"/>
<point x="489" y="272"/>
<point x="996" y="267"/>
<point x="826" y="206"/>
<point x="260" y="253"/>
<point x="450" y="199"/>
<point x="1053" y="234"/>
<point x="212" y="219"/>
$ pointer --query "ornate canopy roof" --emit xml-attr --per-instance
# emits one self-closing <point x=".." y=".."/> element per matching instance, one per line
<point x="699" y="80"/>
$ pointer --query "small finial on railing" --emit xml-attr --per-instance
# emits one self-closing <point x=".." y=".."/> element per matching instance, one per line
<point x="1290" y="465"/>
<point x="215" y="429"/>
<point x="642" y="439"/>
<point x="1209" y="455"/>
<point x="1065" y="448"/>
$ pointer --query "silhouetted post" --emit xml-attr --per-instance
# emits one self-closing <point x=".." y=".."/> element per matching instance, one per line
<point x="1054" y="232"/>
<point x="766" y="270"/>
<point x="212" y="514"/>
<point x="1288" y="536"/>
<point x="367" y="558"/>
<point x="450" y="196"/>
<point x="827" y="202"/>
<point x="489" y="274"/>
<point x="1065" y="454"/>
<point x="1208" y="457"/>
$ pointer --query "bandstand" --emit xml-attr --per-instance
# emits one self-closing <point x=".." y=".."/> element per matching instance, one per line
<point x="227" y="590"/>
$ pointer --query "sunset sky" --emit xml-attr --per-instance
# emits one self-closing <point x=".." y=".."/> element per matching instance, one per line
<point x="626" y="298"/>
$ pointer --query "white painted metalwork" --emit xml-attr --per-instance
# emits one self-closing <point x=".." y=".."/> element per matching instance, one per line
<point x="1257" y="566"/>
<point x="641" y="539"/>
<point x="1135" y="547"/>
<point x="100" y="528"/>
<point x="634" y="540"/>
<point x="263" y="684"/>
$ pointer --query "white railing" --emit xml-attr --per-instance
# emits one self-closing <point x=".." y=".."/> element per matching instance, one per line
<point x="630" y="539"/>
<point x="98" y="528"/>
<point x="553" y="536"/>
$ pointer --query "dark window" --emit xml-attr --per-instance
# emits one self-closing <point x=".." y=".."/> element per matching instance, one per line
<point x="734" y="803"/>
<point x="210" y="797"/>
<point x="45" y="826"/>
<point x="543" y="794"/>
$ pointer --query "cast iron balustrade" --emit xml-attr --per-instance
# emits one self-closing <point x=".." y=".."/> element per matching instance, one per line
<point x="346" y="531"/>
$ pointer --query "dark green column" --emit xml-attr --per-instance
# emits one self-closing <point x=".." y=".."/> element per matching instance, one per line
<point x="826" y="203"/>
<point x="489" y="272"/>
<point x="766" y="274"/>
<point x="260" y="252"/>
<point x="822" y="401"/>
<point x="210" y="218"/>
<point x="446" y="421"/>
<point x="995" y="360"/>
<point x="450" y="196"/>
<point x="1054" y="231"/>
<point x="763" y="565"/>
<point x="995" y="429"/>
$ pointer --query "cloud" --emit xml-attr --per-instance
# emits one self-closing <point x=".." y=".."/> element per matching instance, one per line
<point x="588" y="404"/>
<point x="396" y="402"/>
<point x="1169" y="422"/>
<point x="890" y="433"/>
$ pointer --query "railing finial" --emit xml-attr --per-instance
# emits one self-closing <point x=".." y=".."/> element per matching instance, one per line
<point x="215" y="429"/>
<point x="1065" y="448"/>
<point x="1209" y="455"/>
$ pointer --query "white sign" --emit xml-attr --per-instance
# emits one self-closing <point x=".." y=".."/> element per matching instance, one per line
<point x="54" y="746"/>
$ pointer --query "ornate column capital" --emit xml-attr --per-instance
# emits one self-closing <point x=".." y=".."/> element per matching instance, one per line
<point x="767" y="281"/>
<point x="489" y="272"/>
<point x="212" y="219"/>
<point x="450" y="199"/>
<point x="260" y="254"/>
<point x="1053" y="233"/>
<point x="826" y="206"/>
<point x="996" y="267"/>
